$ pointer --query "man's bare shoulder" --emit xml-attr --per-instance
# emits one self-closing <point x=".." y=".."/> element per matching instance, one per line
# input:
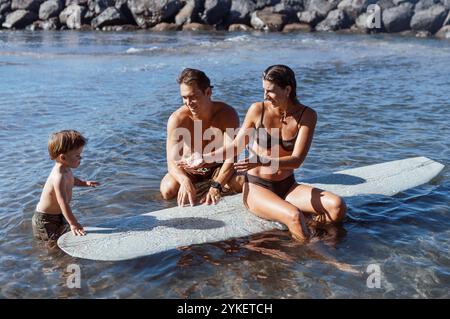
<point x="225" y="112"/>
<point x="180" y="118"/>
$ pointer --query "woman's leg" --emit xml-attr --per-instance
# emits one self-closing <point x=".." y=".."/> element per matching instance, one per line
<point x="266" y="204"/>
<point x="327" y="207"/>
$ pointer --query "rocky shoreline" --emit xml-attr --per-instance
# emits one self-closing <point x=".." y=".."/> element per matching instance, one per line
<point x="421" y="18"/>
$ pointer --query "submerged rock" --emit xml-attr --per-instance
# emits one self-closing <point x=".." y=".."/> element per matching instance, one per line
<point x="444" y="32"/>
<point x="164" y="26"/>
<point x="297" y="27"/>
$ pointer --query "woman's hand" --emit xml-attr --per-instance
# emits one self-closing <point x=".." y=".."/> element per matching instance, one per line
<point x="92" y="183"/>
<point x="251" y="162"/>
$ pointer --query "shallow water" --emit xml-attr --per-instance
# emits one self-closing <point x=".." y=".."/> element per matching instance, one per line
<point x="379" y="98"/>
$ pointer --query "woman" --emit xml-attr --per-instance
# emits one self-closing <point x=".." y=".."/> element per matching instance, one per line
<point x="270" y="193"/>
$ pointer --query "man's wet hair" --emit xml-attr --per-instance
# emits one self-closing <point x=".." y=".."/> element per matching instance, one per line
<point x="189" y="76"/>
<point x="282" y="76"/>
<point x="65" y="141"/>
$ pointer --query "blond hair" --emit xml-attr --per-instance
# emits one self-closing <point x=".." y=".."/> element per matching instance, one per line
<point x="65" y="141"/>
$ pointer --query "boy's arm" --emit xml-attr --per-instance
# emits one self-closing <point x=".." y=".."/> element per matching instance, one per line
<point x="61" y="197"/>
<point x="79" y="182"/>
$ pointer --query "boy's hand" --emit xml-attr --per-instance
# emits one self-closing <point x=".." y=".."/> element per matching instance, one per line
<point x="77" y="230"/>
<point x="92" y="183"/>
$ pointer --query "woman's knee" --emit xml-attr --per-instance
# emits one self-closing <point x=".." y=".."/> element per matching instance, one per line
<point x="337" y="209"/>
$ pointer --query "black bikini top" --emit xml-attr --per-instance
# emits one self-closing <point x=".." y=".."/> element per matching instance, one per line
<point x="266" y="139"/>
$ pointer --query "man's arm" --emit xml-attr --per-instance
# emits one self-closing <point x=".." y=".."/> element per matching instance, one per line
<point x="174" y="149"/>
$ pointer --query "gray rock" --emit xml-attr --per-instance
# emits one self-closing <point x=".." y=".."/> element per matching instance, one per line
<point x="444" y="32"/>
<point x="239" y="27"/>
<point x="297" y="27"/>
<point x="98" y="6"/>
<point x="79" y="2"/>
<point x="5" y="6"/>
<point x="353" y="8"/>
<point x="50" y="9"/>
<point x="425" y="4"/>
<point x="50" y="24"/>
<point x="240" y="12"/>
<point x="385" y="4"/>
<point x="268" y="21"/>
<point x="361" y="22"/>
<point x="423" y="34"/>
<point x="430" y="19"/>
<point x="261" y="4"/>
<point x="73" y="16"/>
<point x="335" y="20"/>
<point x="148" y="13"/>
<point x="197" y="27"/>
<point x="109" y="16"/>
<point x="30" y="5"/>
<point x="309" y="17"/>
<point x="290" y="8"/>
<point x="397" y="19"/>
<point x="189" y="13"/>
<point x="322" y="7"/>
<point x="19" y="19"/>
<point x="447" y="20"/>
<point x="446" y="3"/>
<point x="216" y="11"/>
<point x="164" y="26"/>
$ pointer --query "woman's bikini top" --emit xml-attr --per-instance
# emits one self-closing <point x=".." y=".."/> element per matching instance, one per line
<point x="265" y="139"/>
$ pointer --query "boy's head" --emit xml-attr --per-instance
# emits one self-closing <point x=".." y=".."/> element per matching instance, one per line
<point x="66" y="146"/>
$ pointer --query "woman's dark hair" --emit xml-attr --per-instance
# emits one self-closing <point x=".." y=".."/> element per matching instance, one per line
<point x="189" y="76"/>
<point x="282" y="76"/>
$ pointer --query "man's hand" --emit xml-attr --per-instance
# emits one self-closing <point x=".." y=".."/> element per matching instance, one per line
<point x="186" y="193"/>
<point x="77" y="230"/>
<point x="92" y="184"/>
<point x="212" y="197"/>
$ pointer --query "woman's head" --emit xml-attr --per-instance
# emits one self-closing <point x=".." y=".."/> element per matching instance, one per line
<point x="281" y="78"/>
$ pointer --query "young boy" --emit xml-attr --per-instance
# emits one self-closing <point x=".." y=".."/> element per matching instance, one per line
<point x="53" y="211"/>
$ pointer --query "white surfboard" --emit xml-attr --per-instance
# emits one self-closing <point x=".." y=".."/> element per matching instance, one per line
<point x="175" y="227"/>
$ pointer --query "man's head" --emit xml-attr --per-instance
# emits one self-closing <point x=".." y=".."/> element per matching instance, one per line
<point x="66" y="147"/>
<point x="195" y="89"/>
<point x="279" y="84"/>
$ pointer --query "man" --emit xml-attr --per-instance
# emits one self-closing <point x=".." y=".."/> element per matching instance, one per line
<point x="199" y="116"/>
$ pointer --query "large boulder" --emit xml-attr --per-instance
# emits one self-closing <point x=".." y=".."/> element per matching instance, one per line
<point x="447" y="20"/>
<point x="261" y="4"/>
<point x="79" y="2"/>
<point x="98" y="6"/>
<point x="50" y="9"/>
<point x="73" y="16"/>
<point x="309" y="17"/>
<point x="240" y="12"/>
<point x="5" y="6"/>
<point x="335" y="20"/>
<point x="322" y="7"/>
<point x="446" y="3"/>
<point x="148" y="13"/>
<point x="430" y="19"/>
<point x="109" y="16"/>
<point x="353" y="8"/>
<point x="425" y="4"/>
<point x="190" y="12"/>
<point x="216" y="11"/>
<point x="19" y="19"/>
<point x="385" y="4"/>
<point x="29" y="5"/>
<point x="397" y="19"/>
<point x="444" y="32"/>
<point x="268" y="21"/>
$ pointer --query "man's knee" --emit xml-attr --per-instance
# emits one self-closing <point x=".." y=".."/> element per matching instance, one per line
<point x="168" y="189"/>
